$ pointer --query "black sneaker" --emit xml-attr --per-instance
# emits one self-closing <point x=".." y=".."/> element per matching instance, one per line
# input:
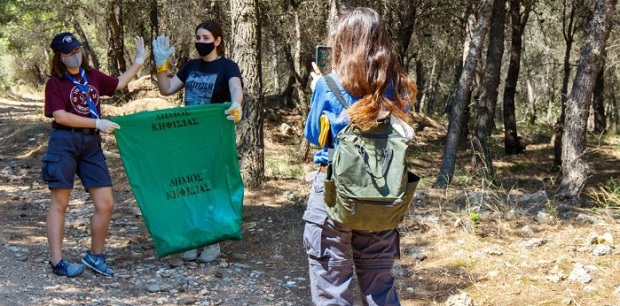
<point x="67" y="269"/>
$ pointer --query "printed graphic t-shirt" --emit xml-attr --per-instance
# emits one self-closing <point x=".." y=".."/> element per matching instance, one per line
<point x="207" y="82"/>
<point x="62" y="94"/>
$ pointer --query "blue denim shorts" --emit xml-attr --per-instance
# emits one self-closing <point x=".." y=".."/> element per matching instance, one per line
<point x="73" y="152"/>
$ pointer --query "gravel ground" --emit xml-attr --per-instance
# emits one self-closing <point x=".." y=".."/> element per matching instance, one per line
<point x="267" y="268"/>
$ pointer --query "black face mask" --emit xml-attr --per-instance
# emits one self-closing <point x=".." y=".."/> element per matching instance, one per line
<point x="204" y="48"/>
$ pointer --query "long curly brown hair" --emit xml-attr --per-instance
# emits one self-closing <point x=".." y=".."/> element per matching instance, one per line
<point x="367" y="65"/>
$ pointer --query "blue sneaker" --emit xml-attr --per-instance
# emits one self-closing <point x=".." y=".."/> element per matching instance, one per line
<point x="67" y="269"/>
<point x="97" y="263"/>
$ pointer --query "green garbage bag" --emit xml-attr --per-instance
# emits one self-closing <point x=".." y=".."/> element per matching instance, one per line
<point x="182" y="167"/>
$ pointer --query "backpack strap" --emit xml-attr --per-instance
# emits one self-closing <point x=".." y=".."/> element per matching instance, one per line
<point x="333" y="87"/>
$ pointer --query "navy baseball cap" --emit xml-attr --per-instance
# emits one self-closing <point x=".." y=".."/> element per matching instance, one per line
<point x="64" y="43"/>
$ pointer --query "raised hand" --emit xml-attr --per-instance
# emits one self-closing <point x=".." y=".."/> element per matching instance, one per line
<point x="140" y="51"/>
<point x="316" y="74"/>
<point x="162" y="51"/>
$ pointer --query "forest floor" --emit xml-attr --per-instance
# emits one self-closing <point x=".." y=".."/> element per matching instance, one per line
<point x="512" y="245"/>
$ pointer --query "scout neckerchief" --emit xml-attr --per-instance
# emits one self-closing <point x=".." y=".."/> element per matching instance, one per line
<point x="84" y="90"/>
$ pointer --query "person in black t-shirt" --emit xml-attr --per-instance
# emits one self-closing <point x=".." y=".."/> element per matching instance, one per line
<point x="212" y="78"/>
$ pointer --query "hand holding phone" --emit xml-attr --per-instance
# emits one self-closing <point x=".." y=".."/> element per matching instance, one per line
<point x="320" y="64"/>
<point x="315" y="75"/>
<point x="321" y="57"/>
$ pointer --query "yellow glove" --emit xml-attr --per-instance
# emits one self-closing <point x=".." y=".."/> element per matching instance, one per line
<point x="324" y="135"/>
<point x="233" y="112"/>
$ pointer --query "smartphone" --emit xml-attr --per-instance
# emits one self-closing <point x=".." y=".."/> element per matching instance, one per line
<point x="321" y="58"/>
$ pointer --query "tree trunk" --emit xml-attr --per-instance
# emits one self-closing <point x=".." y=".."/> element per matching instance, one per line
<point x="494" y="64"/>
<point x="421" y="82"/>
<point x="333" y="14"/>
<point x="568" y="30"/>
<point x="287" y="92"/>
<point x="425" y="93"/>
<point x="512" y="141"/>
<point x="531" y="101"/>
<point x="598" y="106"/>
<point x="550" y="87"/>
<point x="614" y="120"/>
<point x="39" y="74"/>
<point x="116" y="61"/>
<point x="574" y="167"/>
<point x="246" y="52"/>
<point x="481" y="160"/>
<point x="468" y="24"/>
<point x="462" y="91"/>
<point x="84" y="40"/>
<point x="531" y="93"/>
<point x="154" y="19"/>
<point x="431" y="92"/>
<point x="407" y="13"/>
<point x="274" y="62"/>
<point x="300" y="85"/>
<point x="465" y="112"/>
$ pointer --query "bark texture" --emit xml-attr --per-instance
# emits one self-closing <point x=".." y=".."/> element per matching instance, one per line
<point x="463" y="90"/>
<point x="512" y="141"/>
<point x="246" y="52"/>
<point x="574" y="166"/>
<point x="481" y="159"/>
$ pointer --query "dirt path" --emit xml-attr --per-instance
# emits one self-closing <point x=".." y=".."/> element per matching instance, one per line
<point x="264" y="269"/>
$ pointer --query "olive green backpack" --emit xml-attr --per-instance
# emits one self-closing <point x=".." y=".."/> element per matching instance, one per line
<point x="369" y="184"/>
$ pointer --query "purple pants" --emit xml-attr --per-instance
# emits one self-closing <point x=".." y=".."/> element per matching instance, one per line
<point x="335" y="252"/>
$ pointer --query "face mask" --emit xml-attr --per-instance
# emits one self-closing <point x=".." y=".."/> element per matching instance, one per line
<point x="204" y="48"/>
<point x="73" y="61"/>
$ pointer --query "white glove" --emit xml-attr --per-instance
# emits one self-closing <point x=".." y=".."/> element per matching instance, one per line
<point x="315" y="75"/>
<point x="140" y="51"/>
<point x="233" y="112"/>
<point x="106" y="125"/>
<point x="162" y="50"/>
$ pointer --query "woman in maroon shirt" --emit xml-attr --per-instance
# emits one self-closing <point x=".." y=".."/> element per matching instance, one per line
<point x="72" y="99"/>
